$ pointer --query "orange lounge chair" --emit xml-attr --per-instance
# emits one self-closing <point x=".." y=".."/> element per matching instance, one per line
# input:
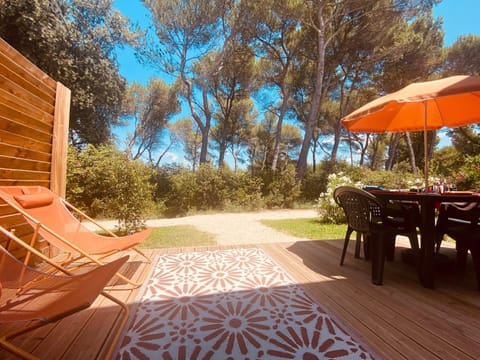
<point x="34" y="298"/>
<point x="51" y="217"/>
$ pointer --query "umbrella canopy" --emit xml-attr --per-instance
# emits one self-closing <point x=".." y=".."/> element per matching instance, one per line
<point x="431" y="105"/>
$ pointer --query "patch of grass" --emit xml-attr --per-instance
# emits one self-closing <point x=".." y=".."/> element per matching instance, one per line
<point x="177" y="236"/>
<point x="308" y="228"/>
<point x="448" y="239"/>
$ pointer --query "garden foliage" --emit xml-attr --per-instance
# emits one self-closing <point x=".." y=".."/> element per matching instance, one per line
<point x="211" y="189"/>
<point x="326" y="206"/>
<point x="103" y="182"/>
<point x="468" y="176"/>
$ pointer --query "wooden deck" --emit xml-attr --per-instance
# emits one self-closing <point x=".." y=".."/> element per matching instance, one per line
<point x="399" y="320"/>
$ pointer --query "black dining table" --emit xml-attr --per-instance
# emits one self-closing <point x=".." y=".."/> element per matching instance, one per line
<point x="427" y="202"/>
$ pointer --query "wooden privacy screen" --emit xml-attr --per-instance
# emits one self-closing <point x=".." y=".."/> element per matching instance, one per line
<point x="34" y="115"/>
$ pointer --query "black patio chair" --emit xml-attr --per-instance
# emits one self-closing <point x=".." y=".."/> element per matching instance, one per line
<point x="367" y="216"/>
<point x="405" y="218"/>
<point x="461" y="221"/>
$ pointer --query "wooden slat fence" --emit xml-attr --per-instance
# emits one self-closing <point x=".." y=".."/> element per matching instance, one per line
<point x="34" y="116"/>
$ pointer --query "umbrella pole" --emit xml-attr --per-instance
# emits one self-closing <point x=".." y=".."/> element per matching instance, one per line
<point x="425" y="144"/>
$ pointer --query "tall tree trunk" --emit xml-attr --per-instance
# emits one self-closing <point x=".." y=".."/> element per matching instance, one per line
<point x="314" y="152"/>
<point x="235" y="161"/>
<point x="374" y="155"/>
<point x="392" y="151"/>
<point x="235" y="150"/>
<point x="222" y="148"/>
<point x="364" y="151"/>
<point x="251" y="158"/>
<point x="278" y="134"/>
<point x="413" y="162"/>
<point x="432" y="135"/>
<point x="204" y="128"/>
<point x="264" y="159"/>
<point x="336" y="144"/>
<point x="316" y="100"/>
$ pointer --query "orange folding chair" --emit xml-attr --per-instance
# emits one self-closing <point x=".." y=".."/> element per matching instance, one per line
<point x="35" y="298"/>
<point x="53" y="219"/>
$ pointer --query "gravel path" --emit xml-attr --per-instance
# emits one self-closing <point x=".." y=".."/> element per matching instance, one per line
<point x="236" y="228"/>
<point x="242" y="228"/>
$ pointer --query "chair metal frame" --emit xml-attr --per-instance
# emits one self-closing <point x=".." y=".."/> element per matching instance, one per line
<point x="62" y="241"/>
<point x="37" y="290"/>
<point x="461" y="221"/>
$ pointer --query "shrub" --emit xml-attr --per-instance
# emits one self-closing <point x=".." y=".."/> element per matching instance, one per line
<point x="468" y="177"/>
<point x="201" y="190"/>
<point x="181" y="198"/>
<point x="211" y="191"/>
<point x="162" y="181"/>
<point x="244" y="190"/>
<point x="207" y="189"/>
<point x="283" y="190"/>
<point x="387" y="179"/>
<point x="102" y="181"/>
<point x="314" y="184"/>
<point x="326" y="206"/>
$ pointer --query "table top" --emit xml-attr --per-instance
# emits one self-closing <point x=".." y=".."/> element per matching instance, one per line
<point x="448" y="196"/>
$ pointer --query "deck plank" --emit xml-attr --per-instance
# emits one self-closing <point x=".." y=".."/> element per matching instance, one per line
<point x="355" y="306"/>
<point x="413" y="320"/>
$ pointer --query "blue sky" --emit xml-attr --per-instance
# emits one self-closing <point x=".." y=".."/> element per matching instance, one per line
<point x="460" y="17"/>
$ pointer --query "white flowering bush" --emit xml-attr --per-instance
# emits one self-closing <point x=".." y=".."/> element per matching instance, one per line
<point x="326" y="206"/>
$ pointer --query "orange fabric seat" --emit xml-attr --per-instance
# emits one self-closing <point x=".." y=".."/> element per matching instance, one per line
<point x="52" y="217"/>
<point x="38" y="298"/>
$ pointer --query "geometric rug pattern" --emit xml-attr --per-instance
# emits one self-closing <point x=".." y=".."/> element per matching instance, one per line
<point x="230" y="304"/>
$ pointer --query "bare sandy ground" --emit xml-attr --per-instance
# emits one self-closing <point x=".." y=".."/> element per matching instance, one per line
<point x="243" y="228"/>
<point x="236" y="228"/>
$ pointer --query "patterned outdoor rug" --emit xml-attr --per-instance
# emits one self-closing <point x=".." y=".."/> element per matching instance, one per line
<point x="230" y="304"/>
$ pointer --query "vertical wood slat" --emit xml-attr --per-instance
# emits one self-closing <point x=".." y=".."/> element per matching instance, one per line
<point x="58" y="176"/>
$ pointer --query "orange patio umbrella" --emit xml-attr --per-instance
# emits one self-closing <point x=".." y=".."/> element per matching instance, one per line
<point x="453" y="101"/>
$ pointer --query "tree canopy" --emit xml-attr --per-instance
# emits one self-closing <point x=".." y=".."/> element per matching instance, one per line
<point x="74" y="42"/>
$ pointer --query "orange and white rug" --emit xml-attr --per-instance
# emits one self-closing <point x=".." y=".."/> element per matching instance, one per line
<point x="230" y="304"/>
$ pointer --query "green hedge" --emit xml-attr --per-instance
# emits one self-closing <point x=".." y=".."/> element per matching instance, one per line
<point x="103" y="182"/>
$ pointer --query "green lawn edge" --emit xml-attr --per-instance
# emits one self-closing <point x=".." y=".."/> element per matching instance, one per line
<point x="309" y="228"/>
<point x="177" y="236"/>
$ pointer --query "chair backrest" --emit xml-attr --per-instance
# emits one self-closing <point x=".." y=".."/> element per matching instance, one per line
<point x="460" y="213"/>
<point x="44" y="206"/>
<point x="361" y="207"/>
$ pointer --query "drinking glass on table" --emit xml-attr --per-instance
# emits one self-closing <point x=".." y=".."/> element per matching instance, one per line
<point x="418" y="183"/>
<point x="449" y="186"/>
